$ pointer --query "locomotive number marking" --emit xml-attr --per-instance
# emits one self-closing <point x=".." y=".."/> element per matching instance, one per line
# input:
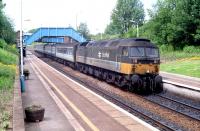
<point x="105" y="55"/>
<point x="99" y="54"/>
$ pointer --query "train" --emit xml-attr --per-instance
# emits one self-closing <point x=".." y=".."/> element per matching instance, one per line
<point x="131" y="63"/>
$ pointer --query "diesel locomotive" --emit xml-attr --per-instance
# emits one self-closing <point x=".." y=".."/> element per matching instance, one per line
<point x="131" y="64"/>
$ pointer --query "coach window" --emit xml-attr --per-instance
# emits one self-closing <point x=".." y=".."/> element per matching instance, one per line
<point x="125" y="51"/>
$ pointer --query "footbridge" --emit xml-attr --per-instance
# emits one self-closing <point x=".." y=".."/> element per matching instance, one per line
<point x="54" y="35"/>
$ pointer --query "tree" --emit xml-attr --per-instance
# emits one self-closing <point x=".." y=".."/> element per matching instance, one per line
<point x="6" y="27"/>
<point x="83" y="29"/>
<point x="123" y="15"/>
<point x="176" y="22"/>
<point x="187" y="20"/>
<point x="111" y="29"/>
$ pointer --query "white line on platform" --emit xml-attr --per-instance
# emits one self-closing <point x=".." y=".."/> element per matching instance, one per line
<point x="179" y="75"/>
<point x="184" y="85"/>
<point x="113" y="105"/>
<point x="59" y="103"/>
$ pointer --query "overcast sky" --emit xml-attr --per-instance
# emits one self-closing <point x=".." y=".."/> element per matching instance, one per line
<point x="63" y="13"/>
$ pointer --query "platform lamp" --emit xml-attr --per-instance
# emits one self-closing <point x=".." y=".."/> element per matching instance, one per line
<point x="21" y="57"/>
<point x="136" y="26"/>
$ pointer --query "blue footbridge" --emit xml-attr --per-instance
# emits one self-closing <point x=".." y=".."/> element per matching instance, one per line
<point x="53" y="35"/>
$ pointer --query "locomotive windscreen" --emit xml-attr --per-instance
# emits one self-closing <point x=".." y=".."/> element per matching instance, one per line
<point x="143" y="52"/>
<point x="136" y="51"/>
<point x="152" y="52"/>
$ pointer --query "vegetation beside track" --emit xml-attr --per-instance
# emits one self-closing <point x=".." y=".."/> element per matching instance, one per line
<point x="8" y="62"/>
<point x="185" y="62"/>
<point x="168" y="53"/>
<point x="178" y="56"/>
<point x="187" y="66"/>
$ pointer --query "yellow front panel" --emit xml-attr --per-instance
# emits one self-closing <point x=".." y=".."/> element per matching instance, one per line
<point x="126" y="68"/>
<point x="146" y="68"/>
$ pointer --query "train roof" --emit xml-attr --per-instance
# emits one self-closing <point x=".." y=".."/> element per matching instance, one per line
<point x="60" y="44"/>
<point x="115" y="43"/>
<point x="39" y="45"/>
<point x="67" y="44"/>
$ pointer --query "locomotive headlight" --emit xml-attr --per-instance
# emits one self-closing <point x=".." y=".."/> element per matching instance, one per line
<point x="157" y="61"/>
<point x="134" y="61"/>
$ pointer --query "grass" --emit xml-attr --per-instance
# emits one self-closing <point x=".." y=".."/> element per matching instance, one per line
<point x="186" y="62"/>
<point x="8" y="63"/>
<point x="7" y="75"/>
<point x="7" y="57"/>
<point x="186" y="66"/>
<point x="177" y="55"/>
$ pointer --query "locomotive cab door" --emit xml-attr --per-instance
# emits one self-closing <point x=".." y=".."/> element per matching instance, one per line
<point x="118" y="58"/>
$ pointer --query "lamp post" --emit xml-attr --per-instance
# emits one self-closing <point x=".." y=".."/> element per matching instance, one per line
<point x="136" y="26"/>
<point x="21" y="56"/>
<point x="99" y="32"/>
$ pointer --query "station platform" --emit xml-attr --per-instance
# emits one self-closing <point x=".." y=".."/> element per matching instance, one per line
<point x="182" y="80"/>
<point x="70" y="106"/>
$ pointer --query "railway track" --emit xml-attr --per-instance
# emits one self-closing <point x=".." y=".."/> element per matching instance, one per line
<point x="182" y="108"/>
<point x="155" y="121"/>
<point x="131" y="110"/>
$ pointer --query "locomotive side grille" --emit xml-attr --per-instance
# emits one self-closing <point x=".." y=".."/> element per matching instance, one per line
<point x="145" y="61"/>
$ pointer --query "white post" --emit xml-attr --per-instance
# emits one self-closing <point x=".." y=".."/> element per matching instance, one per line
<point x="21" y="56"/>
<point x="136" y="26"/>
<point x="137" y="30"/>
<point x="21" y="45"/>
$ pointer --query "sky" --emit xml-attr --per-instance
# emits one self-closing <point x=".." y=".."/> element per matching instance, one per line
<point x="63" y="13"/>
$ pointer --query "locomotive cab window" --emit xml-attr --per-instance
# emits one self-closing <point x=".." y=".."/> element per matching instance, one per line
<point x="124" y="51"/>
<point x="136" y="52"/>
<point x="152" y="52"/>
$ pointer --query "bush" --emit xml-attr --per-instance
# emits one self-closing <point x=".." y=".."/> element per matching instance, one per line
<point x="191" y="49"/>
<point x="8" y="63"/>
<point x="12" y="49"/>
<point x="166" y="48"/>
<point x="6" y="82"/>
<point x="7" y="75"/>
<point x="7" y="70"/>
<point x="3" y="44"/>
<point x="7" y="57"/>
